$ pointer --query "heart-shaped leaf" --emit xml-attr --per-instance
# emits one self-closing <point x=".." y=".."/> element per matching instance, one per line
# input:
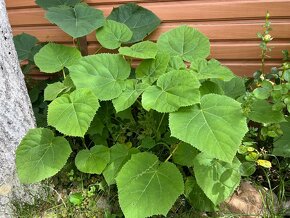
<point x="24" y="44"/>
<point x="173" y="90"/>
<point x="40" y="155"/>
<point x="216" y="126"/>
<point x="78" y="21"/>
<point x="140" y="20"/>
<point x="185" y="42"/>
<point x="113" y="34"/>
<point x="144" y="183"/>
<point x="71" y="114"/>
<point x="53" y="57"/>
<point x="93" y="161"/>
<point x="104" y="74"/>
<point x="217" y="179"/>
<point x="142" y="50"/>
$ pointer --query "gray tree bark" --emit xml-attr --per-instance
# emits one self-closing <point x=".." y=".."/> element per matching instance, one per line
<point x="16" y="117"/>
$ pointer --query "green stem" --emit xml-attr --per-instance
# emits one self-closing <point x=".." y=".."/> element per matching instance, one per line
<point x="157" y="130"/>
<point x="84" y="143"/>
<point x="63" y="73"/>
<point x="176" y="147"/>
<point x="139" y="102"/>
<point x="263" y="62"/>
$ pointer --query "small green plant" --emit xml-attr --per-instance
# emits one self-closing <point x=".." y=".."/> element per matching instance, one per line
<point x="266" y="104"/>
<point x="265" y="39"/>
<point x="169" y="127"/>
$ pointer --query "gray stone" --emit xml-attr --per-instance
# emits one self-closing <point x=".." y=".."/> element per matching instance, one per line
<point x="16" y="118"/>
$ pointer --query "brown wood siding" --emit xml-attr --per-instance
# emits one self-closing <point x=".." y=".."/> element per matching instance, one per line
<point x="231" y="25"/>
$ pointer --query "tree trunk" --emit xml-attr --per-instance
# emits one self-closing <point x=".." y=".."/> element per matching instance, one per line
<point x="16" y="117"/>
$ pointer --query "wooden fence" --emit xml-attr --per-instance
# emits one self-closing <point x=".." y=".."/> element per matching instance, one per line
<point x="231" y="25"/>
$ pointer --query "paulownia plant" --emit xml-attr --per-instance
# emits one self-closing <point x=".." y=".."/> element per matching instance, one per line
<point x="174" y="99"/>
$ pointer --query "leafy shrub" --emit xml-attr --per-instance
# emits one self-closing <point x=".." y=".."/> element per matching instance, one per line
<point x="171" y="126"/>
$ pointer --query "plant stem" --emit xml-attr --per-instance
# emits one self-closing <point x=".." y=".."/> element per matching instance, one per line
<point x="263" y="62"/>
<point x="63" y="73"/>
<point x="83" y="45"/>
<point x="84" y="143"/>
<point x="176" y="147"/>
<point x="157" y="130"/>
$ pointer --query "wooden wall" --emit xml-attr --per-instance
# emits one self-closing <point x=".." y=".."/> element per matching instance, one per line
<point x="231" y="25"/>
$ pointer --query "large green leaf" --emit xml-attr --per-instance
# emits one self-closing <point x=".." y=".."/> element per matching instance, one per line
<point x="71" y="114"/>
<point x="140" y="20"/>
<point x="120" y="154"/>
<point x="78" y="21"/>
<point x="147" y="187"/>
<point x="196" y="197"/>
<point x="216" y="126"/>
<point x="233" y="88"/>
<point x="24" y="44"/>
<point x="41" y="155"/>
<point x="53" y="57"/>
<point x="129" y="95"/>
<point x="211" y="69"/>
<point x="150" y="70"/>
<point x="261" y="111"/>
<point x="142" y="50"/>
<point x="113" y="34"/>
<point x="282" y="144"/>
<point x="185" y="42"/>
<point x="45" y="4"/>
<point x="173" y="90"/>
<point x="93" y="161"/>
<point x="104" y="74"/>
<point x="217" y="179"/>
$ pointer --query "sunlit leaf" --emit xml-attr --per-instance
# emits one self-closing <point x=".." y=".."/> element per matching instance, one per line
<point x="113" y="34"/>
<point x="71" y="114"/>
<point x="54" y="57"/>
<point x="173" y="90"/>
<point x="104" y="74"/>
<point x="216" y="127"/>
<point x="185" y="42"/>
<point x="148" y="187"/>
<point x="41" y="155"/>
